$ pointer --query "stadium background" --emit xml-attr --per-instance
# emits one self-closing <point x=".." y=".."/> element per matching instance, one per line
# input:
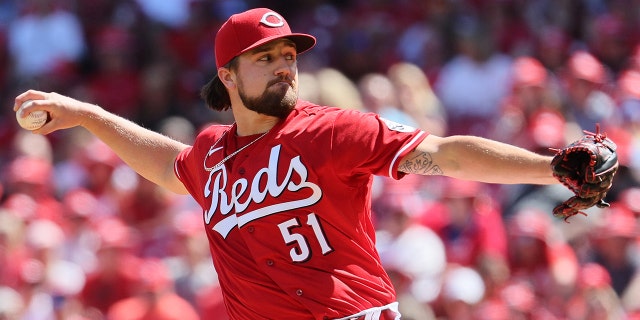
<point x="82" y="236"/>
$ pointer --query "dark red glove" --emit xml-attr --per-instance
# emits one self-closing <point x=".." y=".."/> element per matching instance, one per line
<point x="586" y="167"/>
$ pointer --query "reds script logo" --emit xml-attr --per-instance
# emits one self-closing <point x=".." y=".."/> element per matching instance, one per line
<point x="230" y="205"/>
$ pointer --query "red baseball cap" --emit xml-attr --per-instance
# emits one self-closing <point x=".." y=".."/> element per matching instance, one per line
<point x="250" y="29"/>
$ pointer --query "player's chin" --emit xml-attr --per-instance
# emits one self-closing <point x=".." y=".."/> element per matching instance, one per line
<point x="285" y="108"/>
<point x="289" y="100"/>
<point x="287" y="97"/>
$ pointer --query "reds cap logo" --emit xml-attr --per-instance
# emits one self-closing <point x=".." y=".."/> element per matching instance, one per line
<point x="247" y="30"/>
<point x="272" y="19"/>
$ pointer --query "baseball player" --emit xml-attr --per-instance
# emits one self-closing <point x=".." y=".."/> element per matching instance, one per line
<point x="286" y="190"/>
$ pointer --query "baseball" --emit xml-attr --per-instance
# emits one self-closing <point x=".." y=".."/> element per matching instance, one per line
<point x="34" y="120"/>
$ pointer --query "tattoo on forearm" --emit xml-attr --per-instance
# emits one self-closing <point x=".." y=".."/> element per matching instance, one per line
<point x="420" y="163"/>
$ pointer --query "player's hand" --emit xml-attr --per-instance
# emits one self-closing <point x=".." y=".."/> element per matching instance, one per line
<point x="64" y="112"/>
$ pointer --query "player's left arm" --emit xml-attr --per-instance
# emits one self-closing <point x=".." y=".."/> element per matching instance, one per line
<point x="479" y="159"/>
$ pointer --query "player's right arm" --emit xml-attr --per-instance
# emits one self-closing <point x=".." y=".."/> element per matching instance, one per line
<point x="149" y="153"/>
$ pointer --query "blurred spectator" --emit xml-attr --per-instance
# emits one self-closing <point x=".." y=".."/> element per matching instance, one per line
<point x="147" y="209"/>
<point x="310" y="90"/>
<point x="552" y="46"/>
<point x="540" y="257"/>
<point x="335" y="89"/>
<point x="630" y="199"/>
<point x="190" y="42"/>
<point x="115" y="276"/>
<point x="115" y="84"/>
<point x="188" y="49"/>
<point x="633" y="62"/>
<point x="100" y="168"/>
<point x="509" y="30"/>
<point x="29" y="181"/>
<point x="610" y="39"/>
<point x="414" y="254"/>
<point x="463" y="289"/>
<point x="422" y="45"/>
<point x="96" y="14"/>
<point x="628" y="98"/>
<point x="11" y="303"/>
<point x="472" y="230"/>
<point x="69" y="172"/>
<point x="7" y="15"/>
<point x="595" y="298"/>
<point x="12" y="249"/>
<point x="615" y="246"/>
<point x="171" y="13"/>
<point x="178" y="128"/>
<point x="45" y="24"/>
<point x="154" y="299"/>
<point x="29" y="145"/>
<point x="157" y="97"/>
<point x="380" y="96"/>
<point x="531" y="114"/>
<point x="472" y="84"/>
<point x="190" y="263"/>
<point x="586" y="101"/>
<point x="520" y="300"/>
<point x="363" y="37"/>
<point x="81" y="242"/>
<point x="416" y="97"/>
<point x="50" y="284"/>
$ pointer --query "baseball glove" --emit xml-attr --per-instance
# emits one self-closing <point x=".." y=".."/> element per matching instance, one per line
<point x="586" y="167"/>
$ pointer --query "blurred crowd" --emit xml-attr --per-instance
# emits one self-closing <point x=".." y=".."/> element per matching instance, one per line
<point x="84" y="237"/>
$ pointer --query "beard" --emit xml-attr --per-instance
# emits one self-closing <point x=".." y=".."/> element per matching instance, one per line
<point x="278" y="100"/>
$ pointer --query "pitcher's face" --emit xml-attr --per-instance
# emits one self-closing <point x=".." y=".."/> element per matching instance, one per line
<point x="267" y="78"/>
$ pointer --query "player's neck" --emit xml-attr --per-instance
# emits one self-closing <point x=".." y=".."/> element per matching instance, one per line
<point x="255" y="123"/>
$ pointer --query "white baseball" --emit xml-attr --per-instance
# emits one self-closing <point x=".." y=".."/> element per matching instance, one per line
<point x="34" y="120"/>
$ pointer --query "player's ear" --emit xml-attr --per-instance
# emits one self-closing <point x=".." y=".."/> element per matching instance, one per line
<point x="227" y="78"/>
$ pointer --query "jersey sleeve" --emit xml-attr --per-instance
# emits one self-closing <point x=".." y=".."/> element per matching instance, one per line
<point x="367" y="143"/>
<point x="188" y="165"/>
<point x="182" y="166"/>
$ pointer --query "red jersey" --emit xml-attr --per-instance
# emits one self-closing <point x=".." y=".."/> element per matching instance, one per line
<point x="288" y="218"/>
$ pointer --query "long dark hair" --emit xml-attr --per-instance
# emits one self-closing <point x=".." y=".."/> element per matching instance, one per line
<point x="215" y="94"/>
